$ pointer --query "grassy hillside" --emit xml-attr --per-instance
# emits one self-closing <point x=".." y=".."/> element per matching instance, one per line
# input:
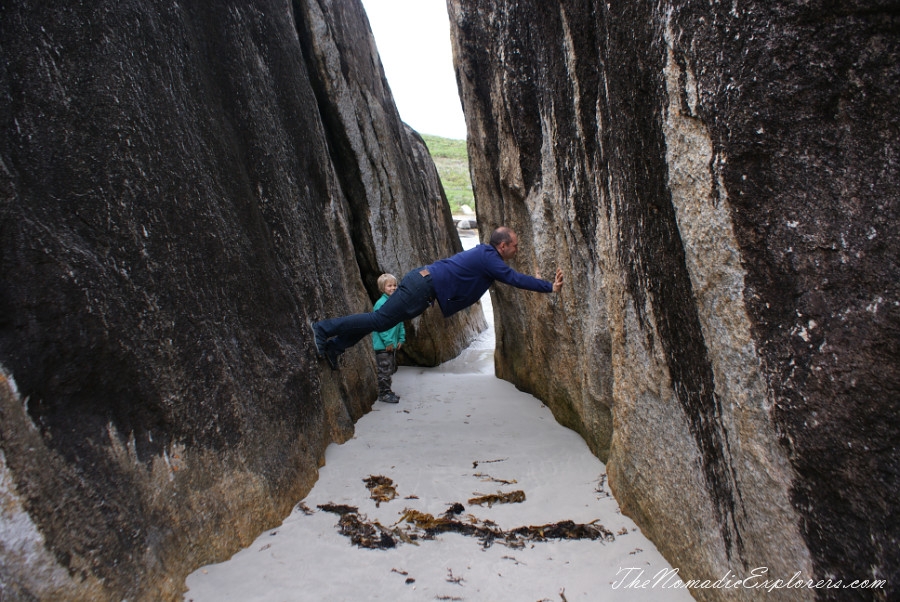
<point x="452" y="162"/>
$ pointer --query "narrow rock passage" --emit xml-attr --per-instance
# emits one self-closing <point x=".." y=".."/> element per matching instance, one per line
<point x="458" y="433"/>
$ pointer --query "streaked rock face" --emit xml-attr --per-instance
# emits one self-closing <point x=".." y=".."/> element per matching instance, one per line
<point x="719" y="184"/>
<point x="181" y="189"/>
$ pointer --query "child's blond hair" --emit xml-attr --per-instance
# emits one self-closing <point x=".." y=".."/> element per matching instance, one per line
<point x="384" y="279"/>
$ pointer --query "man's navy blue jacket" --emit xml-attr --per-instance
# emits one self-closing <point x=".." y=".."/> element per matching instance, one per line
<point x="461" y="280"/>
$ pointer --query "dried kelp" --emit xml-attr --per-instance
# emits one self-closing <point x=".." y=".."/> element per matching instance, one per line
<point x="431" y="525"/>
<point x="477" y="462"/>
<point x="455" y="509"/>
<point x="337" y="508"/>
<point x="512" y="497"/>
<point x="381" y="489"/>
<point x="487" y="477"/>
<point x="421" y="525"/>
<point x="488" y="532"/>
<point x="566" y="529"/>
<point x="415" y="525"/>
<point x="364" y="533"/>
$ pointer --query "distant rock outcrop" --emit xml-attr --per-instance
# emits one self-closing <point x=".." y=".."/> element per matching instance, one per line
<point x="719" y="181"/>
<point x="182" y="187"/>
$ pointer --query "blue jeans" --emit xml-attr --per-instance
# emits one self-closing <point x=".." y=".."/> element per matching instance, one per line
<point x="414" y="295"/>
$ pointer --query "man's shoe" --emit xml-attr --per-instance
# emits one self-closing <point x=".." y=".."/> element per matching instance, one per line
<point x="332" y="355"/>
<point x="318" y="337"/>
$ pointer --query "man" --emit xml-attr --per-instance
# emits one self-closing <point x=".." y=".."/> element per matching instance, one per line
<point x="455" y="283"/>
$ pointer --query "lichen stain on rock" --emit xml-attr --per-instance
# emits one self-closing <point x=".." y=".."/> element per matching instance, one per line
<point x="717" y="279"/>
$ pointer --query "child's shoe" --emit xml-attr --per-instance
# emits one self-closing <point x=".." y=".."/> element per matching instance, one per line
<point x="388" y="397"/>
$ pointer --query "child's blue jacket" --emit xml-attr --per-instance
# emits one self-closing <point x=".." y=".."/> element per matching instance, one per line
<point x="392" y="336"/>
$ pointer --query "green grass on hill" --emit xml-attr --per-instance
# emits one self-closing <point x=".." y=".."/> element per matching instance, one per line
<point x="452" y="162"/>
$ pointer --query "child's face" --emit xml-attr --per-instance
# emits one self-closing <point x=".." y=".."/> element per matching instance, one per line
<point x="389" y="287"/>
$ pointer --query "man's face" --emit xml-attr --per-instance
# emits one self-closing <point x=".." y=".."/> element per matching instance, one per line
<point x="509" y="249"/>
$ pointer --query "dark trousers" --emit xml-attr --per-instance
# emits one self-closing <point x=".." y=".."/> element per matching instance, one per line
<point x="414" y="295"/>
<point x="386" y="364"/>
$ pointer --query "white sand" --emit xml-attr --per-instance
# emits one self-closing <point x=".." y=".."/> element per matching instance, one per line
<point x="450" y="418"/>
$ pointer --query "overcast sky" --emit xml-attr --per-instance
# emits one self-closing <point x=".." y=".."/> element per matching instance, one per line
<point x="413" y="38"/>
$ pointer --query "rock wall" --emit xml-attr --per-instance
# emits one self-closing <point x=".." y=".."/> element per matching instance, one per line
<point x="719" y="182"/>
<point x="181" y="188"/>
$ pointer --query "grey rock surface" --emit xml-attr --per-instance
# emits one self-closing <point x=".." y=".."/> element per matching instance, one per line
<point x="181" y="190"/>
<point x="719" y="182"/>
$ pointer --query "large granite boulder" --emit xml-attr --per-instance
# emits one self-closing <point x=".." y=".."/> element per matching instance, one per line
<point x="177" y="201"/>
<point x="719" y="181"/>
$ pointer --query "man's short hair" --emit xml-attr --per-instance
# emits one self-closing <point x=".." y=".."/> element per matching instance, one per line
<point x="501" y="235"/>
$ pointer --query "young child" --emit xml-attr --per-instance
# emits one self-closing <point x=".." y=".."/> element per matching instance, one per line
<point x="387" y="343"/>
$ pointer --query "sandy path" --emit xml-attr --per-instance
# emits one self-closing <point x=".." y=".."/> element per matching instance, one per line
<point x="458" y="432"/>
